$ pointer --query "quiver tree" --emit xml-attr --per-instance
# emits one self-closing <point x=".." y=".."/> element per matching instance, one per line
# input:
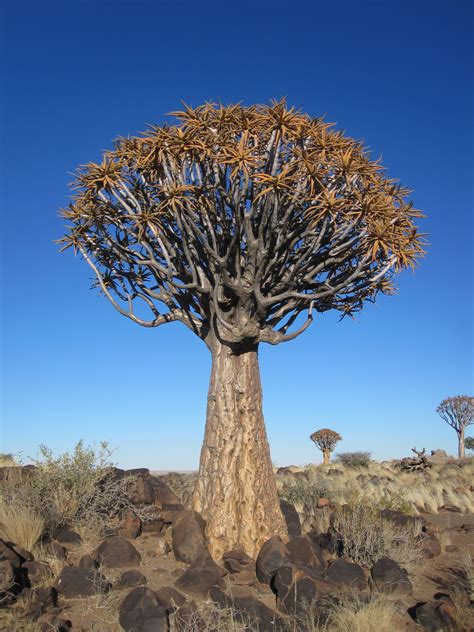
<point x="458" y="412"/>
<point x="325" y="440"/>
<point x="237" y="221"/>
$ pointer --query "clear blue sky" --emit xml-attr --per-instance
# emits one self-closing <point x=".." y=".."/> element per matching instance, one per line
<point x="79" y="73"/>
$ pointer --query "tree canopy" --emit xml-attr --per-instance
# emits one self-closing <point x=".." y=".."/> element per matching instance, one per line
<point x="326" y="439"/>
<point x="457" y="411"/>
<point x="236" y="220"/>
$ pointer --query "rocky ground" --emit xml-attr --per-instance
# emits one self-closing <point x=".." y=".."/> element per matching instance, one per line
<point x="155" y="574"/>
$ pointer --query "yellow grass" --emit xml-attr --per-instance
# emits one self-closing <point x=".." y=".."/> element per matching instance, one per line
<point x="354" y="615"/>
<point x="385" y="484"/>
<point x="8" y="460"/>
<point x="20" y="525"/>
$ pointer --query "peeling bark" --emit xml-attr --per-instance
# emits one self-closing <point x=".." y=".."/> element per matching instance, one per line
<point x="236" y="489"/>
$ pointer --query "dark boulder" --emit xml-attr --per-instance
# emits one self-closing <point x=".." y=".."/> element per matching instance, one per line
<point x="249" y="610"/>
<point x="130" y="524"/>
<point x="188" y="538"/>
<point x="271" y="556"/>
<point x="8" y="583"/>
<point x="200" y="576"/>
<point x="36" y="571"/>
<point x="88" y="562"/>
<point x="137" y="471"/>
<point x="237" y="560"/>
<point x="304" y="551"/>
<point x="243" y="578"/>
<point x="346" y="575"/>
<point x="163" y="495"/>
<point x="170" y="598"/>
<point x="54" y="549"/>
<point x="142" y="491"/>
<point x="296" y="590"/>
<point x="68" y="537"/>
<point x="130" y="579"/>
<point x="117" y="552"/>
<point x="8" y="553"/>
<point x="436" y="617"/>
<point x="38" y="602"/>
<point x="389" y="578"/>
<point x="80" y="582"/>
<point x="401" y="519"/>
<point x="292" y="518"/>
<point x="140" y="612"/>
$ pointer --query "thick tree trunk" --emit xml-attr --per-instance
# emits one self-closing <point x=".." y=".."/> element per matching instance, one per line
<point x="461" y="443"/>
<point x="236" y="489"/>
<point x="326" y="456"/>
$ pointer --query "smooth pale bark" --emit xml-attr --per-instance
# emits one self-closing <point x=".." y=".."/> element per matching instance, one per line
<point x="461" y="443"/>
<point x="236" y="490"/>
<point x="326" y="456"/>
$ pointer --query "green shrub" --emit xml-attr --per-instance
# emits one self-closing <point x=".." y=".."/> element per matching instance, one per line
<point x="305" y="493"/>
<point x="353" y="459"/>
<point x="469" y="443"/>
<point x="73" y="489"/>
<point x="395" y="501"/>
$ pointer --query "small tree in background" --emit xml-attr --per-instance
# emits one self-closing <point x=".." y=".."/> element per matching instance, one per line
<point x="326" y="439"/>
<point x="235" y="222"/>
<point x="458" y="412"/>
<point x="469" y="443"/>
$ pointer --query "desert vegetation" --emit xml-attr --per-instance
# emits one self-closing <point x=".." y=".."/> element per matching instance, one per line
<point x="235" y="221"/>
<point x="458" y="412"/>
<point x="326" y="440"/>
<point x="354" y="459"/>
<point x="80" y="540"/>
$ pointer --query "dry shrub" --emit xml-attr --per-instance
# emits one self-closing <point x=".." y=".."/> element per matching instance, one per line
<point x="353" y="459"/>
<point x="351" y="613"/>
<point x="20" y="525"/>
<point x="210" y="618"/>
<point x="9" y="621"/>
<point x="74" y="489"/>
<point x="8" y="460"/>
<point x="365" y="536"/>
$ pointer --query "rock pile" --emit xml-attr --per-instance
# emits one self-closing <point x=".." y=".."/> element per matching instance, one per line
<point x="294" y="578"/>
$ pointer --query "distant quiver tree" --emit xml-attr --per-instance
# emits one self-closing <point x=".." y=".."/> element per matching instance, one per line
<point x="236" y="221"/>
<point x="326" y="440"/>
<point x="458" y="412"/>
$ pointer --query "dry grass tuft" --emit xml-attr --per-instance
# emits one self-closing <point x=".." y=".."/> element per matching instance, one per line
<point x="460" y="582"/>
<point x="354" y="614"/>
<point x="8" y="460"/>
<point x="209" y="618"/>
<point x="20" y="525"/>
